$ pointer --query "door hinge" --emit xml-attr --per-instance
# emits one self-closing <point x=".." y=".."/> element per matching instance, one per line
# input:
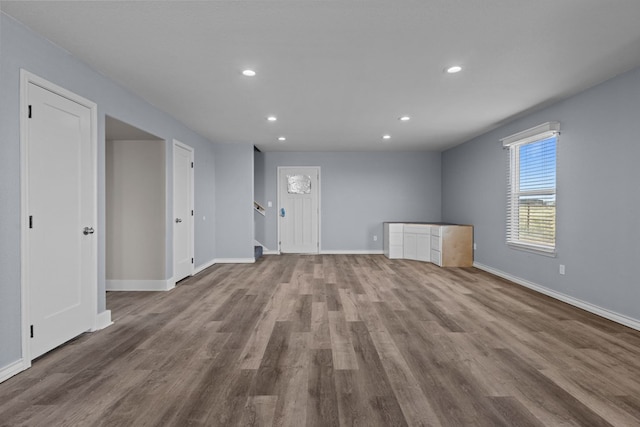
<point x="31" y="328"/>
<point x="29" y="111"/>
<point x="191" y="260"/>
<point x="191" y="212"/>
<point x="30" y="221"/>
<point x="191" y="165"/>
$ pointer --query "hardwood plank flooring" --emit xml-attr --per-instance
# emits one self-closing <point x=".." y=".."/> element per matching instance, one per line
<point x="336" y="340"/>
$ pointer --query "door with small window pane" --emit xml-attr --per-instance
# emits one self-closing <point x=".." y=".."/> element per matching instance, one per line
<point x="299" y="209"/>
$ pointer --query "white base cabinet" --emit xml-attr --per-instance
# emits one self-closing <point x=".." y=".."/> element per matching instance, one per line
<point x="417" y="242"/>
<point x="446" y="245"/>
<point x="393" y="240"/>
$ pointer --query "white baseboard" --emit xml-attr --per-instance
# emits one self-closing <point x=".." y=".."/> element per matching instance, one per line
<point x="591" y="308"/>
<point x="204" y="266"/>
<point x="234" y="261"/>
<point x="13" y="369"/>
<point x="102" y="320"/>
<point x="358" y="252"/>
<point x="332" y="252"/>
<point x="140" y="285"/>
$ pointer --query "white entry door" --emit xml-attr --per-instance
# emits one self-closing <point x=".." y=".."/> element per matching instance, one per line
<point x="59" y="201"/>
<point x="299" y="209"/>
<point x="182" y="211"/>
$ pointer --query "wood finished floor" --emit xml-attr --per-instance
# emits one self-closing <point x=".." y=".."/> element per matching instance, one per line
<point x="334" y="340"/>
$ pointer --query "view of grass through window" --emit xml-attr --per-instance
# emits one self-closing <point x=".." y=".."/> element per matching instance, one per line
<point x="536" y="192"/>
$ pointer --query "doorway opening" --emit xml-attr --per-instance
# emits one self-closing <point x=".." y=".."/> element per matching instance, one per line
<point x="135" y="234"/>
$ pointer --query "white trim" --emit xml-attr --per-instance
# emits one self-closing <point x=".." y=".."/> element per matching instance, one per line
<point x="534" y="249"/>
<point x="27" y="78"/>
<point x="204" y="266"/>
<point x="13" y="369"/>
<point x="278" y="204"/>
<point x="102" y="320"/>
<point x="513" y="228"/>
<point x="591" y="308"/>
<point x="351" y="252"/>
<point x="140" y="285"/>
<point x="234" y="261"/>
<point x="336" y="252"/>
<point x="190" y="149"/>
<point x="543" y="131"/>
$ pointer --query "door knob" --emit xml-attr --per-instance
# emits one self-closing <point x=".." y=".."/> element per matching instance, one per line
<point x="178" y="220"/>
<point x="88" y="230"/>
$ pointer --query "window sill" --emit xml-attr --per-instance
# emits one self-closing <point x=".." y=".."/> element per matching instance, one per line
<point x="538" y="250"/>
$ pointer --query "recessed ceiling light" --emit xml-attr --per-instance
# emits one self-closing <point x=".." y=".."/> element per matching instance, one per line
<point x="453" y="69"/>
<point x="404" y="118"/>
<point x="386" y="136"/>
<point x="248" y="73"/>
<point x="272" y="118"/>
<point x="282" y="138"/>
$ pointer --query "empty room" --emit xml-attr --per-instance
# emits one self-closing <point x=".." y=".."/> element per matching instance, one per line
<point x="319" y="213"/>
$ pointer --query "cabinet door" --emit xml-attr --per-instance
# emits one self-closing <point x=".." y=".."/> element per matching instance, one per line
<point x="436" y="243"/>
<point x="410" y="246"/>
<point x="393" y="240"/>
<point x="395" y="252"/>
<point x="423" y="247"/>
<point x="436" y="258"/>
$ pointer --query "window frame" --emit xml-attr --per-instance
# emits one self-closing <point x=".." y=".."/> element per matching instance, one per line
<point x="513" y="144"/>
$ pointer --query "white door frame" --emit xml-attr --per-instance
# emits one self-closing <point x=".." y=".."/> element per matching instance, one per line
<point x="27" y="78"/>
<point x="319" y="202"/>
<point x="190" y="149"/>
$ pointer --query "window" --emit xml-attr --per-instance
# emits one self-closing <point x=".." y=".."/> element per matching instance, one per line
<point x="531" y="188"/>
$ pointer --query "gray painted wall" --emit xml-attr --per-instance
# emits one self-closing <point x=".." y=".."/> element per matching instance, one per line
<point x="22" y="48"/>
<point x="598" y="236"/>
<point x="135" y="210"/>
<point x="358" y="192"/>
<point x="234" y="201"/>
<point x="204" y="214"/>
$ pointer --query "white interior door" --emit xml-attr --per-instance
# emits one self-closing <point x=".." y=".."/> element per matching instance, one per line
<point x="60" y="262"/>
<point x="182" y="211"/>
<point x="299" y="209"/>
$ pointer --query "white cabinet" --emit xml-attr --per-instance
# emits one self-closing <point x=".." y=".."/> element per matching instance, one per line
<point x="446" y="245"/>
<point x="436" y="245"/>
<point x="423" y="252"/>
<point x="416" y="242"/>
<point x="409" y="248"/>
<point x="393" y="240"/>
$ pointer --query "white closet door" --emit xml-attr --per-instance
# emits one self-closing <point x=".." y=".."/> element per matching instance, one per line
<point x="61" y="263"/>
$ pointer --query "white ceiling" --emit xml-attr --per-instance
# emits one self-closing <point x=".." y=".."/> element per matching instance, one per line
<point x="339" y="73"/>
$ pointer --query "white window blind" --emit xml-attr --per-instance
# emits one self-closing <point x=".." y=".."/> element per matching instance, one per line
<point x="531" y="188"/>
